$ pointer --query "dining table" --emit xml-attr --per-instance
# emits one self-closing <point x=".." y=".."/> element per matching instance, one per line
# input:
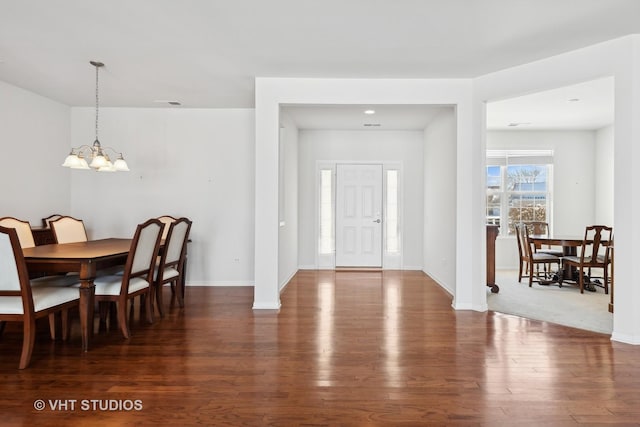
<point x="84" y="258"/>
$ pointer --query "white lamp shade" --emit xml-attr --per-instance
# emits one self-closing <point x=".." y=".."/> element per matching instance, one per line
<point x="121" y="165"/>
<point x="98" y="162"/>
<point x="82" y="164"/>
<point x="71" y="161"/>
<point x="107" y="168"/>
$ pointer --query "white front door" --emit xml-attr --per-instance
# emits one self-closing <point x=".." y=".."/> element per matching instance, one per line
<point x="359" y="216"/>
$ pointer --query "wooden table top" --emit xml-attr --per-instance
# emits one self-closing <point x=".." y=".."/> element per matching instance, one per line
<point x="92" y="249"/>
<point x="557" y="240"/>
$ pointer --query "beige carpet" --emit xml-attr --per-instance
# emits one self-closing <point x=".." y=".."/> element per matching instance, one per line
<point x="564" y="306"/>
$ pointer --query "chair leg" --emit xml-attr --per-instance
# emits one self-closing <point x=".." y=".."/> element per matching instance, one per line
<point x="103" y="310"/>
<point x="180" y="291"/>
<point x="113" y="315"/>
<point x="52" y="326"/>
<point x="28" y="339"/>
<point x="581" y="280"/>
<point x="122" y="318"/>
<point x="159" y="299"/>
<point x="147" y="305"/>
<point x="520" y="272"/>
<point x="65" y="325"/>
<point x="530" y="275"/>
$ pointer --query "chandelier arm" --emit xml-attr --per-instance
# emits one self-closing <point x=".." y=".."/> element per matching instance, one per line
<point x="113" y="150"/>
<point x="81" y="148"/>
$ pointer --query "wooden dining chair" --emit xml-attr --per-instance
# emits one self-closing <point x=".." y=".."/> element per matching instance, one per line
<point x="531" y="258"/>
<point x="166" y="220"/>
<point x="137" y="279"/>
<point x="541" y="228"/>
<point x="47" y="220"/>
<point x="22" y="300"/>
<point x="23" y="228"/>
<point x="67" y="229"/>
<point x="522" y="252"/>
<point x="593" y="254"/>
<point x="170" y="270"/>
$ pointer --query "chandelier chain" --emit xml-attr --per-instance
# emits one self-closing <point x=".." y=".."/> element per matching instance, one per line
<point x="97" y="67"/>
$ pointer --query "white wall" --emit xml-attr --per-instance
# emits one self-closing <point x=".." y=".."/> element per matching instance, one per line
<point x="34" y="138"/>
<point x="440" y="199"/>
<point x="573" y="181"/>
<point x="603" y="176"/>
<point x="404" y="147"/>
<point x="184" y="162"/>
<point x="288" y="234"/>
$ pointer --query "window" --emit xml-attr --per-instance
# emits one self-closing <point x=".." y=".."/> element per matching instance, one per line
<point x="518" y="187"/>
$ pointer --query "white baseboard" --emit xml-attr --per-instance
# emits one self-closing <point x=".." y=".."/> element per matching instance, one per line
<point x="625" y="338"/>
<point x="222" y="283"/>
<point x="265" y="306"/>
<point x="286" y="281"/>
<point x="435" y="279"/>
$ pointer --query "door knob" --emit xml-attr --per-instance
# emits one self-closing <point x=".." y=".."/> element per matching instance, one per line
<point x="377" y="220"/>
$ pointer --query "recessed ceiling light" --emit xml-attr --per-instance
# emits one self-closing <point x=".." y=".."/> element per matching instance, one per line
<point x="369" y="111"/>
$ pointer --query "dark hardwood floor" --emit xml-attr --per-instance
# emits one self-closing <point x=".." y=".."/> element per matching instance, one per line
<point x="346" y="349"/>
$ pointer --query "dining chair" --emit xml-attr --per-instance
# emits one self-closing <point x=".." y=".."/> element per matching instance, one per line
<point x="170" y="269"/>
<point x="47" y="220"/>
<point x="67" y="229"/>
<point x="593" y="254"/>
<point x="532" y="258"/>
<point x="541" y="228"/>
<point x="137" y="278"/>
<point x="166" y="220"/>
<point x="23" y="300"/>
<point x="23" y="228"/>
<point x="522" y="252"/>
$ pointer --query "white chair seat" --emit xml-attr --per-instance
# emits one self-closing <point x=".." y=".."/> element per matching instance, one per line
<point x="110" y="285"/>
<point x="43" y="298"/>
<point x="169" y="273"/>
<point x="58" y="281"/>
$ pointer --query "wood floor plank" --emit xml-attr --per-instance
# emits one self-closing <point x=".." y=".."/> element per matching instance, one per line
<point x="346" y="349"/>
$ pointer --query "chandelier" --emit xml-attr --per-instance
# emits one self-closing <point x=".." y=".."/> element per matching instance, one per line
<point x="96" y="153"/>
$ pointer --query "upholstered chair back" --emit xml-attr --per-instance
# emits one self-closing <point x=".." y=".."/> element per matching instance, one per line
<point x="22" y="228"/>
<point x="68" y="230"/>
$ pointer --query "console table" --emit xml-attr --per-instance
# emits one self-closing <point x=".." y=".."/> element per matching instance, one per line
<point x="492" y="234"/>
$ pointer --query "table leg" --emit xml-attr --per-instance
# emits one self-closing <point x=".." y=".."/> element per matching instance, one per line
<point x="87" y="293"/>
<point x="87" y="299"/>
<point x="567" y="271"/>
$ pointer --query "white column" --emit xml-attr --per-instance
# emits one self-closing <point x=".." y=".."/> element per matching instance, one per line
<point x="266" y="293"/>
<point x="626" y="318"/>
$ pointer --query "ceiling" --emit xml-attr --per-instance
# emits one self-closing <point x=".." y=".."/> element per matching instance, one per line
<point x="206" y="53"/>
<point x="584" y="106"/>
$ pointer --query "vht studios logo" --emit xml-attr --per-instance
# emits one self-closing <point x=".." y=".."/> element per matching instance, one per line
<point x="88" y="405"/>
